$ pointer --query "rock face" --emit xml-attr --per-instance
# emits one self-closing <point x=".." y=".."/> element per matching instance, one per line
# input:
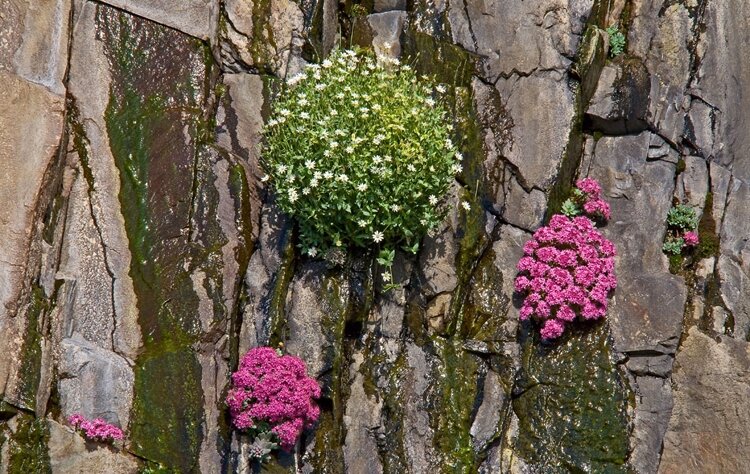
<point x="142" y="255"/>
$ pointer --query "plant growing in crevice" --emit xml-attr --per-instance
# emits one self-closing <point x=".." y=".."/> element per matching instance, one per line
<point x="272" y="399"/>
<point x="682" y="222"/>
<point x="616" y="41"/>
<point x="358" y="150"/>
<point x="567" y="270"/>
<point x="96" y="429"/>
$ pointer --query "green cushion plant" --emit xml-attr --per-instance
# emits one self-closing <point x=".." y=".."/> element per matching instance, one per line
<point x="358" y="150"/>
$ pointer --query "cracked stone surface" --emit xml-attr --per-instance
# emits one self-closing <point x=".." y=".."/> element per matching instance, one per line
<point x="134" y="303"/>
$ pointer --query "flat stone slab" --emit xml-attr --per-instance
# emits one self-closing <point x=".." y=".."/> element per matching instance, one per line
<point x="193" y="17"/>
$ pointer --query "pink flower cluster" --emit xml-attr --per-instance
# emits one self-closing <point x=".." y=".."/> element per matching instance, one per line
<point x="97" y="429"/>
<point x="691" y="238"/>
<point x="567" y="270"/>
<point x="274" y="389"/>
<point x="593" y="205"/>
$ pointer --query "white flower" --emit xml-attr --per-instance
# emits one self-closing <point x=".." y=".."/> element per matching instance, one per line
<point x="314" y="183"/>
<point x="441" y="88"/>
<point x="362" y="223"/>
<point x="316" y="75"/>
<point x="340" y="95"/>
<point x="388" y="159"/>
<point x="429" y="102"/>
<point x="265" y="178"/>
<point x="377" y="236"/>
<point x="355" y="103"/>
<point x="358" y="140"/>
<point x="327" y="153"/>
<point x="290" y="178"/>
<point x="282" y="119"/>
<point x="376" y="107"/>
<point x="459" y="156"/>
<point x="296" y="79"/>
<point x="411" y="168"/>
<point x="448" y="143"/>
<point x="306" y="191"/>
<point x="303" y="102"/>
<point x="466" y="205"/>
<point x="327" y="63"/>
<point x="333" y="112"/>
<point x="377" y="159"/>
<point x="386" y="45"/>
<point x="317" y="175"/>
<point x="333" y="144"/>
<point x="320" y="87"/>
<point x="423" y="222"/>
<point x="364" y="110"/>
<point x="272" y="122"/>
<point x="414" y="111"/>
<point x="395" y="208"/>
<point x="341" y="79"/>
<point x="362" y="187"/>
<point x="339" y="132"/>
<point x="328" y="175"/>
<point x="456" y="168"/>
<point x="378" y="138"/>
<point x="284" y="112"/>
<point x="349" y="149"/>
<point x="312" y="251"/>
<point x="406" y="67"/>
<point x="343" y="178"/>
<point x="293" y="195"/>
<point x="433" y="200"/>
<point x="282" y="168"/>
<point x="304" y="115"/>
<point x="310" y="164"/>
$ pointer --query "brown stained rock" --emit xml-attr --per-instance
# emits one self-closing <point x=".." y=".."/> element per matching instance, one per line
<point x="487" y="422"/>
<point x="711" y="417"/>
<point x="647" y="307"/>
<point x="34" y="40"/>
<point x="197" y="18"/>
<point x="70" y="454"/>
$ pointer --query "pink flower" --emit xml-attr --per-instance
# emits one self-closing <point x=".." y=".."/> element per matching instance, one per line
<point x="552" y="329"/>
<point x="275" y="389"/>
<point x="597" y="208"/>
<point x="567" y="270"/>
<point x="691" y="239"/>
<point x="589" y="186"/>
<point x="95" y="430"/>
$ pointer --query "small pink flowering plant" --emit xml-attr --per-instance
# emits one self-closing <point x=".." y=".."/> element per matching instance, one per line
<point x="95" y="430"/>
<point x="272" y="399"/>
<point x="682" y="221"/>
<point x="567" y="269"/>
<point x="586" y="200"/>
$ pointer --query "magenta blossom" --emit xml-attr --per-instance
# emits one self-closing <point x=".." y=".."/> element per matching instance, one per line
<point x="95" y="430"/>
<point x="691" y="239"/>
<point x="567" y="271"/>
<point x="274" y="389"/>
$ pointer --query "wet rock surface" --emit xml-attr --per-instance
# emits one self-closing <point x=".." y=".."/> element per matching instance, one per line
<point x="142" y="255"/>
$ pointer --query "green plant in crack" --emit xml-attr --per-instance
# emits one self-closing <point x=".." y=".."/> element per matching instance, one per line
<point x="616" y="41"/>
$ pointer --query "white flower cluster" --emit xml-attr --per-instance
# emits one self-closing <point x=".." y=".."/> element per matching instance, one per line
<point x="359" y="151"/>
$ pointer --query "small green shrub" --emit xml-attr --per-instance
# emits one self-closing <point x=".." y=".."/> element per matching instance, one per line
<point x="682" y="217"/>
<point x="358" y="150"/>
<point x="673" y="245"/>
<point x="616" y="41"/>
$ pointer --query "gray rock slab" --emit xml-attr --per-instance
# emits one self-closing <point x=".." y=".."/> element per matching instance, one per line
<point x="711" y="417"/>
<point x="94" y="382"/>
<point x="70" y="454"/>
<point x="647" y="307"/>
